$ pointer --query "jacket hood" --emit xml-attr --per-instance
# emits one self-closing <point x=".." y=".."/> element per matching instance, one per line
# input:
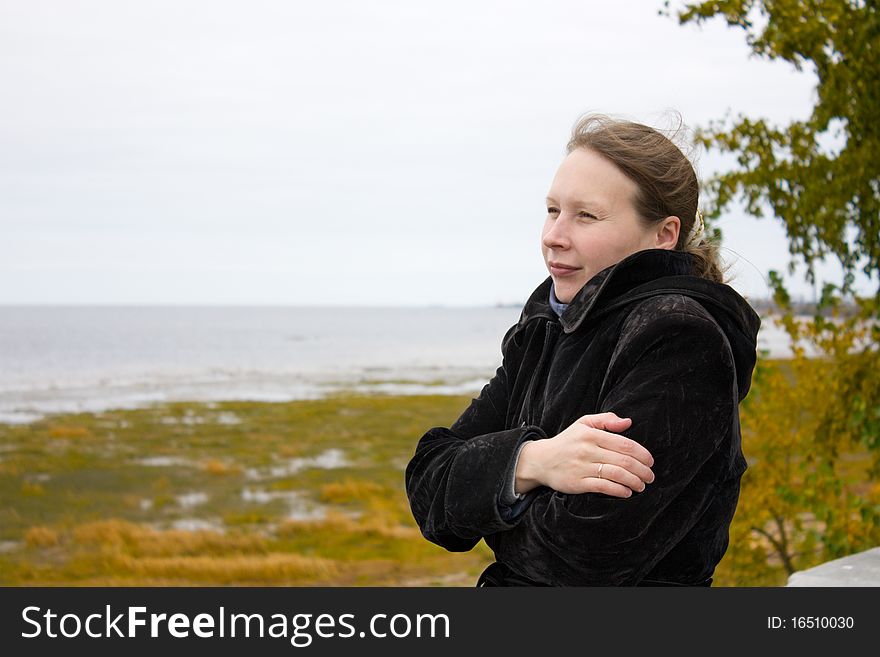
<point x="650" y="273"/>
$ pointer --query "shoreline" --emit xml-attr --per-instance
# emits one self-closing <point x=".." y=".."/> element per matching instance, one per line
<point x="22" y="406"/>
<point x="43" y="404"/>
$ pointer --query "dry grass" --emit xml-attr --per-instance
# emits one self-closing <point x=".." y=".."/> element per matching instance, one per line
<point x="341" y="523"/>
<point x="67" y="431"/>
<point x="221" y="468"/>
<point x="94" y="499"/>
<point x="41" y="537"/>
<point x="349" y="490"/>
<point x="140" y="541"/>
<point x="270" y="568"/>
<point x="28" y="489"/>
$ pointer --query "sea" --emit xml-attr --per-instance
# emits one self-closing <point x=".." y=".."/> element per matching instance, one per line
<point x="60" y="359"/>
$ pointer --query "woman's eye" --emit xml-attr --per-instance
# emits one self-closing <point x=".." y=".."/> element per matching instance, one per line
<point x="588" y="215"/>
<point x="552" y="211"/>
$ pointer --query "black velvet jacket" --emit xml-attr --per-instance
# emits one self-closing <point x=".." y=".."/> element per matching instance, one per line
<point x="646" y="340"/>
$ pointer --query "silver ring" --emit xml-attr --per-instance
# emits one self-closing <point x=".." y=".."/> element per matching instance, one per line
<point x="601" y="465"/>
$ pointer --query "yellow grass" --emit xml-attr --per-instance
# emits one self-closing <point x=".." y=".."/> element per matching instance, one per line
<point x="218" y="467"/>
<point x="65" y="431"/>
<point x="349" y="490"/>
<point x="41" y="537"/>
<point x="28" y="488"/>
<point x="139" y="541"/>
<point x="270" y="568"/>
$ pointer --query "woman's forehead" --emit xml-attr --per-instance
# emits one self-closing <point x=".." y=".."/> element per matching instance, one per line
<point x="587" y="178"/>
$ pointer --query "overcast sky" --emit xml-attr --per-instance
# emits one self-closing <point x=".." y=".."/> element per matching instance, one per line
<point x="334" y="152"/>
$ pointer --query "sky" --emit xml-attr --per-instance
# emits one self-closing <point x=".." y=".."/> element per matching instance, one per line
<point x="336" y="153"/>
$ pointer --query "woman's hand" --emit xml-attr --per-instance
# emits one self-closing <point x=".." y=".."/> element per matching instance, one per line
<point x="570" y="461"/>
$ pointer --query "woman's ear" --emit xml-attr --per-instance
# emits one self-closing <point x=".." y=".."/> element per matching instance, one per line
<point x="666" y="236"/>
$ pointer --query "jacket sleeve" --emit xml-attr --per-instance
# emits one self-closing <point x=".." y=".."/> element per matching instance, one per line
<point x="672" y="373"/>
<point x="456" y="479"/>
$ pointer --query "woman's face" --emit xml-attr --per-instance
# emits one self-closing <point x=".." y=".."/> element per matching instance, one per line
<point x="591" y="222"/>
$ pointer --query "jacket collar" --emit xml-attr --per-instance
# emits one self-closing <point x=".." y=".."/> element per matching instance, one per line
<point x="649" y="273"/>
<point x="642" y="267"/>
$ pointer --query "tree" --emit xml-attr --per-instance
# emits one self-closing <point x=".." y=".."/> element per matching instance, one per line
<point x="810" y="418"/>
<point x="820" y="176"/>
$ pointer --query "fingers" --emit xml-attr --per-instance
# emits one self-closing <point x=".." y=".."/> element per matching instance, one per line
<point x="606" y="486"/>
<point x="625" y="446"/>
<point x="607" y="420"/>
<point x="625" y="477"/>
<point x="615" y="462"/>
<point x="607" y="476"/>
<point x="613" y="441"/>
<point x="626" y="463"/>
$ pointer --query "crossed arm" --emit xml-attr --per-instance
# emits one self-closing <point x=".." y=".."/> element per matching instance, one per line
<point x="674" y="377"/>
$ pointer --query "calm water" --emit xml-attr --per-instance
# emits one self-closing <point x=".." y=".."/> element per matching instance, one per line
<point x="59" y="359"/>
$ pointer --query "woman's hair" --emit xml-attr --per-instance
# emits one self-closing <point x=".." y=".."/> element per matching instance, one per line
<point x="666" y="181"/>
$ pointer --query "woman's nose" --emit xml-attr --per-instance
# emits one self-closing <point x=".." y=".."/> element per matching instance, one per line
<point x="557" y="234"/>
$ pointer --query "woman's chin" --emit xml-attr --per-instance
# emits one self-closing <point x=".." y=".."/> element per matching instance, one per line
<point x="566" y="288"/>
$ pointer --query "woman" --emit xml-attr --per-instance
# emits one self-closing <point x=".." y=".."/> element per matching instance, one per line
<point x="635" y="333"/>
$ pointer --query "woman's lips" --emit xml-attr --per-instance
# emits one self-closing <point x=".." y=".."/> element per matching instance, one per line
<point x="556" y="270"/>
